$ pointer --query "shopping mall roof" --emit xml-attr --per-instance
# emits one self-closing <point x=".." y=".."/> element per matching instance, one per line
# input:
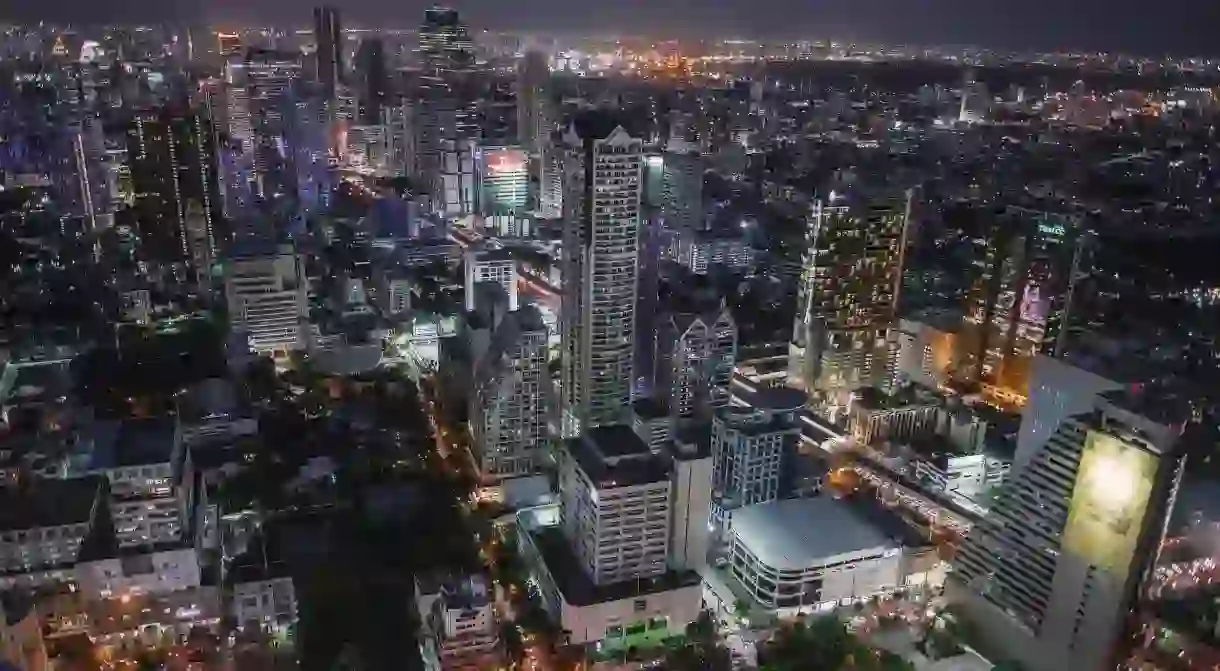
<point x="796" y="534"/>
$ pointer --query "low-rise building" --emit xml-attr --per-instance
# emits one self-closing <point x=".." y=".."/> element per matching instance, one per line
<point x="150" y="474"/>
<point x="458" y="629"/>
<point x="810" y="554"/>
<point x="263" y="601"/>
<point x="42" y="525"/>
<point x="122" y="572"/>
<point x="969" y="475"/>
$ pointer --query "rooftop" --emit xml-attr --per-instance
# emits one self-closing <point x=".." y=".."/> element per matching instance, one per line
<point x="50" y="503"/>
<point x="459" y="591"/>
<point x="754" y="422"/>
<point x="130" y="442"/>
<point x="649" y="408"/>
<point x="795" y="534"/>
<point x="212" y="398"/>
<point x="614" y="456"/>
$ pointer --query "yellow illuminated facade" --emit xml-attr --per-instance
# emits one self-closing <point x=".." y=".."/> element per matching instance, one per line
<point x="1109" y="501"/>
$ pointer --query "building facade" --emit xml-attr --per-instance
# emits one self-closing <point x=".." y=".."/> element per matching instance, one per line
<point x="508" y="414"/>
<point x="1051" y="575"/>
<point x="848" y="294"/>
<point x="694" y="361"/>
<point x="602" y="184"/>
<point x="267" y="297"/>
<point x="749" y="448"/>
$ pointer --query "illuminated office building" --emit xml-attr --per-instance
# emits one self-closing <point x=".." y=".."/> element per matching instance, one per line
<point x="848" y="294"/>
<point x="1050" y="576"/>
<point x="266" y="293"/>
<point x="504" y="182"/>
<point x="601" y="212"/>
<point x="262" y="100"/>
<point x="550" y="177"/>
<point x="1023" y="302"/>
<point x="455" y="184"/>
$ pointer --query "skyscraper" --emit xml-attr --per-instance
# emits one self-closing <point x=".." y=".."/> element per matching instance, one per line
<point x="533" y="88"/>
<point x="848" y="295"/>
<point x="328" y="37"/>
<point x="445" y="46"/>
<point x="508" y="410"/>
<point x="270" y="81"/>
<point x="682" y="190"/>
<point x="1024" y="299"/>
<point x="550" y="178"/>
<point x="1050" y="575"/>
<point x="602" y="182"/>
<point x="173" y="164"/>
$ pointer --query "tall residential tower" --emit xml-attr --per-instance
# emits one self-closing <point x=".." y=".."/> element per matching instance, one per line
<point x="848" y="295"/>
<point x="602" y="182"/>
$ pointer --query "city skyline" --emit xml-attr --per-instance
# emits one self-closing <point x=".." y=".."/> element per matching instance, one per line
<point x="1177" y="27"/>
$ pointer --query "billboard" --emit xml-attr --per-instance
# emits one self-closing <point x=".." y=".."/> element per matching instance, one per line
<point x="1109" y="502"/>
<point x="506" y="161"/>
<point x="505" y="182"/>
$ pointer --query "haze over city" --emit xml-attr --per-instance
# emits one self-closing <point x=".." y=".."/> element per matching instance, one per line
<point x="675" y="335"/>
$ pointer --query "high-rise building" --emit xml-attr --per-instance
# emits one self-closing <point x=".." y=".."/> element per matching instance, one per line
<point x="1051" y="574"/>
<point x="445" y="46"/>
<point x="615" y="562"/>
<point x="504" y="181"/>
<point x="604" y="474"/>
<point x="533" y="89"/>
<point x="490" y="265"/>
<point x="328" y="38"/>
<point x="694" y="361"/>
<point x="848" y="295"/>
<point x="550" y="178"/>
<point x="682" y="191"/>
<point x="1023" y="301"/>
<point x="749" y="448"/>
<point x="270" y="81"/>
<point x="372" y="79"/>
<point x="508" y="415"/>
<point x="602" y="181"/>
<point x="172" y="163"/>
<point x="266" y="292"/>
<point x="455" y="184"/>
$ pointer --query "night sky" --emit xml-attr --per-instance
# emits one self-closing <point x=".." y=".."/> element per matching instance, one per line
<point x="1151" y="26"/>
